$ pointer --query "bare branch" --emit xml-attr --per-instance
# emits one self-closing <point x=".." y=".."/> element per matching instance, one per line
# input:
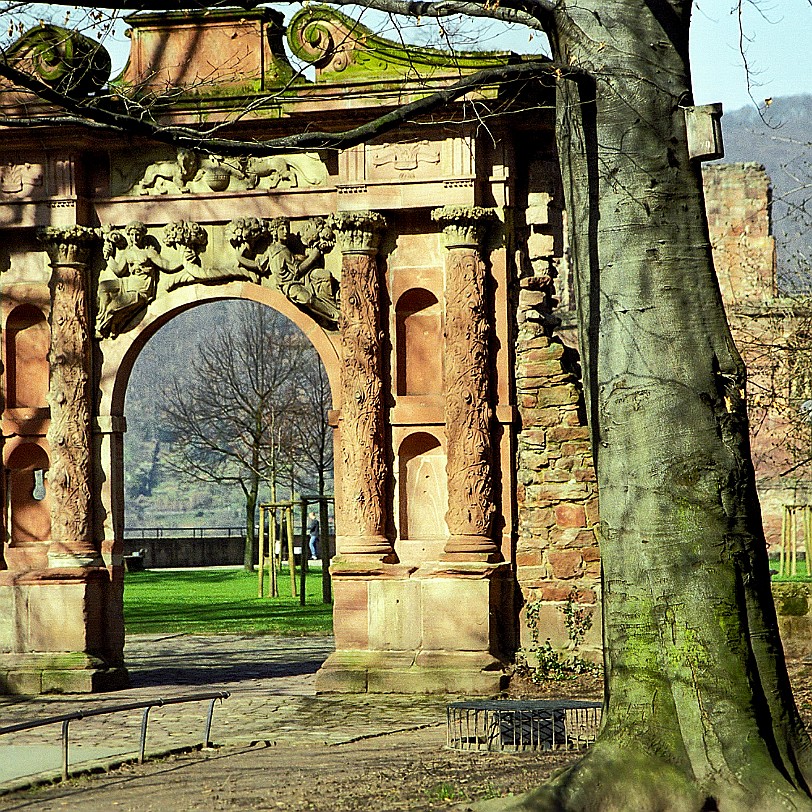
<point x="90" y="113"/>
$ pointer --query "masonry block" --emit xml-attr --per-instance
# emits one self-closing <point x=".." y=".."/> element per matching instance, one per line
<point x="456" y="614"/>
<point x="393" y="607"/>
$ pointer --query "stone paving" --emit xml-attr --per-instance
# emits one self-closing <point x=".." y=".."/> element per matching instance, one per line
<point x="271" y="682"/>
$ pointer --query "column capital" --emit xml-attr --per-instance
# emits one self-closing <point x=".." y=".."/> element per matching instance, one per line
<point x="68" y="246"/>
<point x="358" y="232"/>
<point x="464" y="226"/>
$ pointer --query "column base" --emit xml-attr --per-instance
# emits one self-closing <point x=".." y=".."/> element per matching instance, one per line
<point x="425" y="672"/>
<point x="58" y="673"/>
<point x="61" y="631"/>
<point x="471" y="548"/>
<point x="440" y="628"/>
<point x="373" y="548"/>
<point x="69" y="560"/>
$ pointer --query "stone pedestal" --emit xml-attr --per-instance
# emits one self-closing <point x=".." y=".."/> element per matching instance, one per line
<point x="53" y="632"/>
<point x="432" y="629"/>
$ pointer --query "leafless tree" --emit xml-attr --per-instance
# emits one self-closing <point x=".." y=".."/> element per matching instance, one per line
<point x="235" y="416"/>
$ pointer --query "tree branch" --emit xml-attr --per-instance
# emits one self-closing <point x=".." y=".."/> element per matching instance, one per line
<point x="527" y="12"/>
<point x="86" y="113"/>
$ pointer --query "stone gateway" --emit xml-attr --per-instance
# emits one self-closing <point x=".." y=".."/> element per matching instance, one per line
<point x="427" y="268"/>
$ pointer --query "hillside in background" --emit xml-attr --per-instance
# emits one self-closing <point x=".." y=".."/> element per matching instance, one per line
<point x="154" y="496"/>
<point x="780" y="138"/>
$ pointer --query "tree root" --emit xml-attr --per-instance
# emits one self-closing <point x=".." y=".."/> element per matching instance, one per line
<point x="614" y="778"/>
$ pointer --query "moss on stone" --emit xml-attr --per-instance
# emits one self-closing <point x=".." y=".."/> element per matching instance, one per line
<point x="791" y="599"/>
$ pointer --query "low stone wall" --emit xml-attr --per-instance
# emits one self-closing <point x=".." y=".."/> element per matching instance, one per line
<point x="220" y="551"/>
<point x="793" y="602"/>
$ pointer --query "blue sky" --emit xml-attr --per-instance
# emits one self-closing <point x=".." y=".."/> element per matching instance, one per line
<point x="779" y="49"/>
<point x="778" y="46"/>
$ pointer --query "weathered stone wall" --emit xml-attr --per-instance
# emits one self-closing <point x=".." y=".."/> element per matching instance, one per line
<point x="738" y="200"/>
<point x="557" y="557"/>
<point x="770" y="330"/>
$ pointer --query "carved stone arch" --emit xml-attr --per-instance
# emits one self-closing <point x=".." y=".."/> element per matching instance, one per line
<point x="121" y="353"/>
<point x="418" y="334"/>
<point x="119" y="356"/>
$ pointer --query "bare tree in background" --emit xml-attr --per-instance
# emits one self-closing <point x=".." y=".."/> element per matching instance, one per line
<point x="312" y="435"/>
<point x="234" y="415"/>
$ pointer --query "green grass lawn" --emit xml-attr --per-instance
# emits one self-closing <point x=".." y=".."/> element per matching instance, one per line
<point x="217" y="601"/>
<point x="801" y="572"/>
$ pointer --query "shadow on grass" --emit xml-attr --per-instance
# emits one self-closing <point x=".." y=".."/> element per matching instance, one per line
<point x="217" y="631"/>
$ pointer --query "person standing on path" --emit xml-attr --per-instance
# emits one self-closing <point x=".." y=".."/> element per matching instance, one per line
<point x="313" y="532"/>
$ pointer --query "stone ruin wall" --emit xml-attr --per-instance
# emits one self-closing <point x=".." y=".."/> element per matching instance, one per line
<point x="557" y="557"/>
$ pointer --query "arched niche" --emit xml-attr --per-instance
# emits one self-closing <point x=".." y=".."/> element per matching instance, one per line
<point x="422" y="498"/>
<point x="419" y="342"/>
<point x="28" y="341"/>
<point x="30" y="520"/>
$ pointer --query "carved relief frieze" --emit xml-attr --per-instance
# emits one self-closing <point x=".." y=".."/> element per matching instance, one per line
<point x="190" y="173"/>
<point x="404" y="160"/>
<point x="293" y="263"/>
<point x="21" y="181"/>
<point x="140" y="266"/>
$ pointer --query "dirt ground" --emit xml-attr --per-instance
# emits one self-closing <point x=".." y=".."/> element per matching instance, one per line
<point x="401" y="771"/>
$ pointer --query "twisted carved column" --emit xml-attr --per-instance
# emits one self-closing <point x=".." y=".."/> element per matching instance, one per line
<point x="364" y="472"/>
<point x="69" y="396"/>
<point x="467" y="399"/>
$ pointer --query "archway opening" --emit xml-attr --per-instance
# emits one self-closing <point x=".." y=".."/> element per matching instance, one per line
<point x="226" y="410"/>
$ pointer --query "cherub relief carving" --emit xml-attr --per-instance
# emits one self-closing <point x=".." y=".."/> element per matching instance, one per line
<point x="134" y="262"/>
<point x="128" y="281"/>
<point x="140" y="267"/>
<point x="291" y="263"/>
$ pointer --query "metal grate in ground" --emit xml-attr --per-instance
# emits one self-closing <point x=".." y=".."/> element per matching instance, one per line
<point x="527" y="724"/>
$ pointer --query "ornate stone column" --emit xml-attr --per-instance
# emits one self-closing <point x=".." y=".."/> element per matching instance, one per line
<point x="364" y="474"/>
<point x="69" y="396"/>
<point x="468" y="412"/>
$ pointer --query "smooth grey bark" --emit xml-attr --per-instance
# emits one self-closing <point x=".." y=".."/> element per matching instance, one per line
<point x="698" y="711"/>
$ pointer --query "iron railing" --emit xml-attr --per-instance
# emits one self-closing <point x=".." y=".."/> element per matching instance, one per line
<point x="67" y="718"/>
<point x="182" y="532"/>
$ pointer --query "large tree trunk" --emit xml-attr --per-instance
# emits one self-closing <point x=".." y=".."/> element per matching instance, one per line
<point x="698" y="711"/>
